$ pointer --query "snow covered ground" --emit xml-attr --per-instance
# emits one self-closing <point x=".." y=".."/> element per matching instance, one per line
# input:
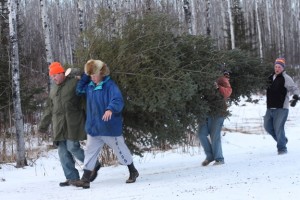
<point x="252" y="169"/>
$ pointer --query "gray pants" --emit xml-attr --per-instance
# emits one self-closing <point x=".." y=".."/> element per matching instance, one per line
<point x="95" y="144"/>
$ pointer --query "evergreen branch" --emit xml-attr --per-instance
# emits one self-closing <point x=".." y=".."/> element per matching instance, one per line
<point x="147" y="76"/>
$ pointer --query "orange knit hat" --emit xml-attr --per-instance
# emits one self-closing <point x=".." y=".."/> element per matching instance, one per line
<point x="55" y="68"/>
<point x="280" y="61"/>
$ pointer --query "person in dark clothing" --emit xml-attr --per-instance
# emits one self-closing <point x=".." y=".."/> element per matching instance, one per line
<point x="280" y="87"/>
<point x="212" y="125"/>
<point x="65" y="112"/>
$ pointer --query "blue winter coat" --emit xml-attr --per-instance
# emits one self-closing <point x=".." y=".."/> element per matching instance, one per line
<point x="99" y="98"/>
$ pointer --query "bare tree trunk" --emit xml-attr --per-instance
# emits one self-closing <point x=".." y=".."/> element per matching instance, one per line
<point x="281" y="29"/>
<point x="269" y="41"/>
<point x="258" y="31"/>
<point x="81" y="22"/>
<point x="208" y="28"/>
<point x="46" y="28"/>
<point x="188" y="16"/>
<point x="225" y="28"/>
<point x="232" y="37"/>
<point x="148" y="5"/>
<point x="14" y="51"/>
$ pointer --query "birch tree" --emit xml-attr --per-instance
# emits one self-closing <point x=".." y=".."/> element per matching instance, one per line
<point x="188" y="16"/>
<point x="81" y="22"/>
<point x="258" y="31"/>
<point x="15" y="70"/>
<point x="225" y="27"/>
<point x="208" y="28"/>
<point x="46" y="28"/>
<point x="281" y="29"/>
<point x="269" y="39"/>
<point x="231" y="24"/>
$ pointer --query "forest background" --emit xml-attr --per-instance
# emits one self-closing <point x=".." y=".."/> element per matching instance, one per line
<point x="164" y="54"/>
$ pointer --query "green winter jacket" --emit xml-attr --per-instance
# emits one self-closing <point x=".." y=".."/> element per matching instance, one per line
<point x="66" y="112"/>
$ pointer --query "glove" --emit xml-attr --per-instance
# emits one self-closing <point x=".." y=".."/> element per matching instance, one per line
<point x="293" y="102"/>
<point x="296" y="97"/>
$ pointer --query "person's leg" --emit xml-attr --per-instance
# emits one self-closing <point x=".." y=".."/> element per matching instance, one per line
<point x="280" y="117"/>
<point x="203" y="137"/>
<point x="123" y="154"/>
<point x="94" y="146"/>
<point x="93" y="149"/>
<point x="75" y="149"/>
<point x="68" y="163"/>
<point x="120" y="149"/>
<point x="215" y="135"/>
<point x="269" y="123"/>
<point x="95" y="171"/>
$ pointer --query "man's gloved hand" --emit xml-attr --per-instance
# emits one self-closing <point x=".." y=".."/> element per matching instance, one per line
<point x="293" y="102"/>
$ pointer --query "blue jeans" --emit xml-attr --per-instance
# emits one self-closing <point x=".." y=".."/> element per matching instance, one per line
<point x="212" y="127"/>
<point x="274" y="121"/>
<point x="66" y="150"/>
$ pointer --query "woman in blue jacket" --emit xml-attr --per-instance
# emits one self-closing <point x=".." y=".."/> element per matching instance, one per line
<point x="104" y="119"/>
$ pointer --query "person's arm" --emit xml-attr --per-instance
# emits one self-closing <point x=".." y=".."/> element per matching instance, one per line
<point x="116" y="102"/>
<point x="293" y="89"/>
<point x="291" y="86"/>
<point x="46" y="118"/>
<point x="225" y="88"/>
<point x="82" y="85"/>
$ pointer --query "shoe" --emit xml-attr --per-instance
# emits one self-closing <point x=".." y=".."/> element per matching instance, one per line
<point x="95" y="172"/>
<point x="282" y="152"/>
<point x="219" y="162"/>
<point x="63" y="184"/>
<point x="67" y="182"/>
<point x="132" y="177"/>
<point x="84" y="182"/>
<point x="206" y="162"/>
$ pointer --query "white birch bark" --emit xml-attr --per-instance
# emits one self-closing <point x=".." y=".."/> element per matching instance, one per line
<point x="269" y="32"/>
<point x="188" y="16"/>
<point x="15" y="70"/>
<point x="277" y="27"/>
<point x="224" y="24"/>
<point x="81" y="22"/>
<point x="281" y="29"/>
<point x="207" y="10"/>
<point x="46" y="28"/>
<point x="232" y="36"/>
<point x="258" y="31"/>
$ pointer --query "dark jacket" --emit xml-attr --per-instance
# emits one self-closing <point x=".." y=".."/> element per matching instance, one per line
<point x="64" y="108"/>
<point x="217" y="99"/>
<point x="279" y="90"/>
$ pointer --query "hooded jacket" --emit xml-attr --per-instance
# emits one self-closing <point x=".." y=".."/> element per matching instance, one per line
<point x="99" y="98"/>
<point x="64" y="109"/>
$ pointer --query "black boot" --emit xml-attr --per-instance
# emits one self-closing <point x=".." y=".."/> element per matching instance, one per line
<point x="133" y="174"/>
<point x="84" y="182"/>
<point x="95" y="171"/>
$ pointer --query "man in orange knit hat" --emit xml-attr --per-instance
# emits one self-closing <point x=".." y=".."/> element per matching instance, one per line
<point x="64" y="108"/>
